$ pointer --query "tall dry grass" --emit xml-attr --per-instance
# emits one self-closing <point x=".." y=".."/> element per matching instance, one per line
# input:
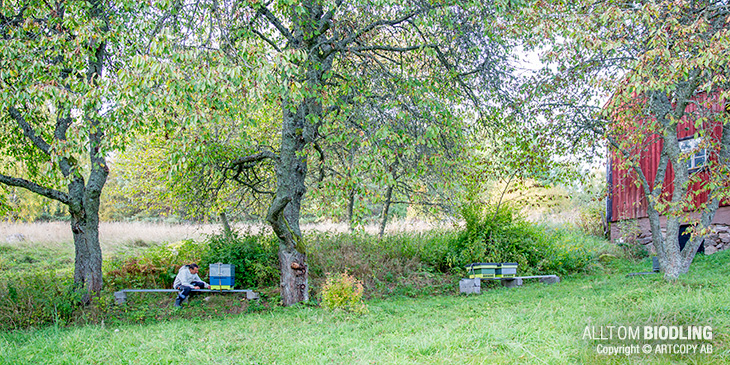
<point x="119" y="236"/>
<point x="114" y="236"/>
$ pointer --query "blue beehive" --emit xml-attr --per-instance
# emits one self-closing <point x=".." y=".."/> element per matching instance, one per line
<point x="222" y="276"/>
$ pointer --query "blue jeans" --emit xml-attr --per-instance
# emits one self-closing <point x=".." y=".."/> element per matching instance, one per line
<point x="184" y="290"/>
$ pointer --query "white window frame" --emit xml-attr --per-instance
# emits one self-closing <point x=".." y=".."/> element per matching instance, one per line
<point x="698" y="156"/>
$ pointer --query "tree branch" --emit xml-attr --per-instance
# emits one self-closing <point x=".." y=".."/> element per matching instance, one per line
<point x="276" y="209"/>
<point x="392" y="49"/>
<point x="325" y="22"/>
<point x="35" y="188"/>
<point x="341" y="45"/>
<point x="29" y="132"/>
<point x="321" y="161"/>
<point x="267" y="40"/>
<point x="276" y="23"/>
<point x="256" y="157"/>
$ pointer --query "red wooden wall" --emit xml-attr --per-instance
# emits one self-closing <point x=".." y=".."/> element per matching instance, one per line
<point x="627" y="199"/>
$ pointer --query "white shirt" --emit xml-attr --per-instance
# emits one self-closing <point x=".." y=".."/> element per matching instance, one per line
<point x="184" y="277"/>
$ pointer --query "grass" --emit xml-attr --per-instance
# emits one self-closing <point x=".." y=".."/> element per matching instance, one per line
<point x="114" y="236"/>
<point x="534" y="324"/>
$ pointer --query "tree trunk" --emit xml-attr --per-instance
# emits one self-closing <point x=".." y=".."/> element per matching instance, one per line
<point x="85" y="216"/>
<point x="300" y="123"/>
<point x="226" y="226"/>
<point x="294" y="276"/>
<point x="283" y="215"/>
<point x="350" y="210"/>
<point x="87" y="272"/>
<point x="386" y="209"/>
<point x="723" y="160"/>
<point x="673" y="262"/>
<point x="84" y="210"/>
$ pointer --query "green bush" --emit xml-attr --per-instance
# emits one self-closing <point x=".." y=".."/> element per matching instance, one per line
<point x="387" y="266"/>
<point x="37" y="297"/>
<point x="505" y="236"/>
<point x="255" y="257"/>
<point x="343" y="292"/>
<point x="418" y="263"/>
<point x="155" y="267"/>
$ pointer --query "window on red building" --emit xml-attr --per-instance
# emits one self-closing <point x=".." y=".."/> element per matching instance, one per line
<point x="698" y="155"/>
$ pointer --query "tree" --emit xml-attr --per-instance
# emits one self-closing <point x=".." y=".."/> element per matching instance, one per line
<point x="661" y="63"/>
<point x="399" y="152"/>
<point x="309" y="44"/>
<point x="58" y="120"/>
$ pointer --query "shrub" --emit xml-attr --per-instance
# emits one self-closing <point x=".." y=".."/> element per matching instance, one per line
<point x="344" y="292"/>
<point x="255" y="257"/>
<point x="417" y="263"/>
<point x="391" y="265"/>
<point x="633" y="251"/>
<point x="504" y="235"/>
<point x="37" y="297"/>
<point x="155" y="267"/>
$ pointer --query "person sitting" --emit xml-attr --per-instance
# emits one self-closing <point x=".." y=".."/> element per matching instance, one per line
<point x="186" y="280"/>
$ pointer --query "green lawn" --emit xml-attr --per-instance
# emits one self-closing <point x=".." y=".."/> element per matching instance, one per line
<point x="538" y="324"/>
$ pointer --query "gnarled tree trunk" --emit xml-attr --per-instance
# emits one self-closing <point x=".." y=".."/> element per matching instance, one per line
<point x="283" y="215"/>
<point x="672" y="260"/>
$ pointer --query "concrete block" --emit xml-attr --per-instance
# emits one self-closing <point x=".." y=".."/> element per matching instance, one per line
<point x="252" y="295"/>
<point x="511" y="282"/>
<point x="470" y="286"/>
<point x="120" y="297"/>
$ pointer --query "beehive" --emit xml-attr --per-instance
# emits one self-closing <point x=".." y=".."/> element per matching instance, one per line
<point x="481" y="270"/>
<point x="222" y="276"/>
<point x="506" y="270"/>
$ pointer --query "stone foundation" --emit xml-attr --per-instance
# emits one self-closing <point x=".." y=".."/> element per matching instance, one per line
<point x="638" y="231"/>
<point x="718" y="240"/>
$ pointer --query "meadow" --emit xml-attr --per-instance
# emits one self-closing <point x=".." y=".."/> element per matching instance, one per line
<point x="120" y="236"/>
<point x="414" y="312"/>
<point x="533" y="324"/>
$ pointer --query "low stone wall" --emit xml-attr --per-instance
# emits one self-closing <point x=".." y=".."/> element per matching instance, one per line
<point x="638" y="231"/>
<point x="718" y="240"/>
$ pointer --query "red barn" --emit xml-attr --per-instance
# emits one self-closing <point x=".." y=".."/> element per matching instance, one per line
<point x="627" y="204"/>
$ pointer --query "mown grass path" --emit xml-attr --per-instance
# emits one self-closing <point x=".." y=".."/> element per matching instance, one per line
<point x="536" y="324"/>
